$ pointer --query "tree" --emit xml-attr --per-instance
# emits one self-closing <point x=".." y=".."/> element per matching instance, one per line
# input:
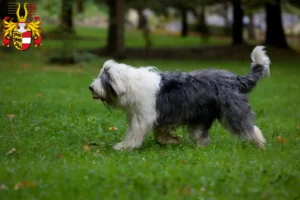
<point x="184" y="22"/>
<point x="142" y="19"/>
<point x="115" y="41"/>
<point x="66" y="20"/>
<point x="275" y="35"/>
<point x="251" y="27"/>
<point x="295" y="3"/>
<point x="183" y="7"/>
<point x="252" y="6"/>
<point x="237" y="27"/>
<point x="201" y="20"/>
<point x="80" y="6"/>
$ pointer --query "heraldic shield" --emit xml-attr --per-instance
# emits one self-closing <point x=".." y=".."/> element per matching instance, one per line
<point x="22" y="40"/>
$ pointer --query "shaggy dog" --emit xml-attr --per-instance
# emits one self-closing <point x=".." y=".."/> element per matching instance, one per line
<point x="164" y="100"/>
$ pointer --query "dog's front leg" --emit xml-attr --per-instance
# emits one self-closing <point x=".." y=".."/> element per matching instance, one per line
<point x="137" y="129"/>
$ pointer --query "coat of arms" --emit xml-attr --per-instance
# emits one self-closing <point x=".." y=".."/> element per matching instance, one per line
<point x="23" y="32"/>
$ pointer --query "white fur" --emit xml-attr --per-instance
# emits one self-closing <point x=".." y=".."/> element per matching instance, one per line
<point x="136" y="90"/>
<point x="259" y="138"/>
<point x="259" y="56"/>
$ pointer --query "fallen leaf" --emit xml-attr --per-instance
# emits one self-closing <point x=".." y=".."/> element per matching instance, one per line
<point x="177" y="191"/>
<point x="183" y="161"/>
<point x="86" y="147"/>
<point x="24" y="184"/>
<point x="281" y="140"/>
<point x="28" y="184"/>
<point x="59" y="156"/>
<point x="11" y="116"/>
<point x="264" y="195"/>
<point x="3" y="187"/>
<point x="113" y="128"/>
<point x="25" y="66"/>
<point x="11" y="151"/>
<point x="39" y="95"/>
<point x="187" y="190"/>
<point x="163" y="154"/>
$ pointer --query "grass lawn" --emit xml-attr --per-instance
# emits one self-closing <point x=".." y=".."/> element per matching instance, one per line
<point x="65" y="149"/>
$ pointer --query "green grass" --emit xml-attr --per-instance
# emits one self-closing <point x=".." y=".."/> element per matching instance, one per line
<point x="56" y="120"/>
<point x="55" y="117"/>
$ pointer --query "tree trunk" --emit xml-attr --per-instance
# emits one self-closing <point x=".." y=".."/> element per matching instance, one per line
<point x="142" y="19"/>
<point x="80" y="7"/>
<point x="66" y="23"/>
<point x="115" y="41"/>
<point x="184" y="22"/>
<point x="275" y="35"/>
<point x="202" y="26"/>
<point x="237" y="27"/>
<point x="251" y="28"/>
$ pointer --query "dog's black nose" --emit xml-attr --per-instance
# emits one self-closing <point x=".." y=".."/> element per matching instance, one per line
<point x="91" y="88"/>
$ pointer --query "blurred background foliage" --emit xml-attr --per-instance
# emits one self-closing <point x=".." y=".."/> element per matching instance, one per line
<point x="115" y="27"/>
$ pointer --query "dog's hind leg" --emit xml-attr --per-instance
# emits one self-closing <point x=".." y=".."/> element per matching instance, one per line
<point x="257" y="137"/>
<point x="199" y="134"/>
<point x="162" y="135"/>
<point x="250" y="133"/>
<point x="238" y="118"/>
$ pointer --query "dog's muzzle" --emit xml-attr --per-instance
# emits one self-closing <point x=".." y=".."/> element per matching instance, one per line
<point x="95" y="96"/>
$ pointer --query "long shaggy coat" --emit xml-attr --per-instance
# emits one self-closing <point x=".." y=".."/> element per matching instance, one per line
<point x="163" y="101"/>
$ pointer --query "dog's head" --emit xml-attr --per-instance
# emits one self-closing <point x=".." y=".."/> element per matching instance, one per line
<point x="110" y="83"/>
<point x="120" y="85"/>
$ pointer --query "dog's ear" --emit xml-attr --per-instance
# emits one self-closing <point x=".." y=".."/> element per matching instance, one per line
<point x="107" y="85"/>
<point x="113" y="83"/>
<point x="116" y="76"/>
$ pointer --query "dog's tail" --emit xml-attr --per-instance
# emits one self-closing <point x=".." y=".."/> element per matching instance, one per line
<point x="259" y="68"/>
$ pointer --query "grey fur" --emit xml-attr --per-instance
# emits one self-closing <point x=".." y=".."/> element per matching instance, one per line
<point x="200" y="97"/>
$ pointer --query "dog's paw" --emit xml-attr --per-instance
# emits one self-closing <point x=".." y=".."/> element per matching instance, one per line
<point x="125" y="145"/>
<point x="119" y="146"/>
<point x="200" y="142"/>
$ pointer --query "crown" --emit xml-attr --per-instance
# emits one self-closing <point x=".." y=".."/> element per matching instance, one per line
<point x="22" y="18"/>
